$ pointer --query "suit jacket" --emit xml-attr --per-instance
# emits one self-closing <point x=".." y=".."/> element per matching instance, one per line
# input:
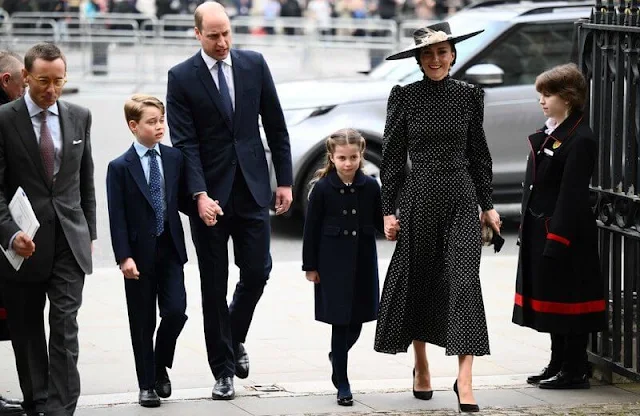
<point x="70" y="198"/>
<point x="212" y="144"/>
<point x="131" y="216"/>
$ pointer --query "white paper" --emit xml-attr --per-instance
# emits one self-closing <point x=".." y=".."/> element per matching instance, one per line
<point x="23" y="215"/>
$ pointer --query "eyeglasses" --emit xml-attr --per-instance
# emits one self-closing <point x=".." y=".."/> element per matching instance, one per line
<point x="45" y="82"/>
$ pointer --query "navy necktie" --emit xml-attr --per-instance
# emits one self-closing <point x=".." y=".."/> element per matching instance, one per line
<point x="224" y="92"/>
<point x="155" y="188"/>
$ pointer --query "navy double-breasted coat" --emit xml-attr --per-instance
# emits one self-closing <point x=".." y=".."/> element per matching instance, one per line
<point x="340" y="243"/>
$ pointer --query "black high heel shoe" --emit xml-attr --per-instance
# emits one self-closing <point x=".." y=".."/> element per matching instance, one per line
<point x="464" y="407"/>
<point x="422" y="395"/>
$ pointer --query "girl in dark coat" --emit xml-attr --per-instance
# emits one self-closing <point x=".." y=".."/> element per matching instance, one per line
<point x="559" y="287"/>
<point x="339" y="248"/>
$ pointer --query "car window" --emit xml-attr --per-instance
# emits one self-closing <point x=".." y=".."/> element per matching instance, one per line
<point x="530" y="49"/>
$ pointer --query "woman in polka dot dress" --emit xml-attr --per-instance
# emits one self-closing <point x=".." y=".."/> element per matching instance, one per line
<point x="432" y="290"/>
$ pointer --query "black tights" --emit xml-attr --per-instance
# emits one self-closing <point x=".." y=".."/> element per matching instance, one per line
<point x="569" y="352"/>
<point x="342" y="339"/>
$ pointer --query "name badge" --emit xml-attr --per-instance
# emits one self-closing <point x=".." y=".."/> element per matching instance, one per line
<point x="548" y="152"/>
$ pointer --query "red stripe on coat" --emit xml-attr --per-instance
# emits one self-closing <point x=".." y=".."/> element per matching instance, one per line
<point x="558" y="238"/>
<point x="561" y="308"/>
<point x="3" y="313"/>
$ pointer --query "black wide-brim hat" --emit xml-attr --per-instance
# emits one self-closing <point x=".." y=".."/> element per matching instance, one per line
<point x="430" y="35"/>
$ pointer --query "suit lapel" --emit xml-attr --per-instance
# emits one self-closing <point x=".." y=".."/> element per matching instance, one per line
<point x="66" y="124"/>
<point x="169" y="168"/>
<point x="210" y="87"/>
<point x="135" y="168"/>
<point x="240" y="74"/>
<point x="27" y="135"/>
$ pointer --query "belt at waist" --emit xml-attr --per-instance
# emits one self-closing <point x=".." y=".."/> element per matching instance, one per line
<point x="439" y="165"/>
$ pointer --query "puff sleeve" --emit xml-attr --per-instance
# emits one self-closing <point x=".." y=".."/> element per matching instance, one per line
<point x="394" y="151"/>
<point x="480" y="164"/>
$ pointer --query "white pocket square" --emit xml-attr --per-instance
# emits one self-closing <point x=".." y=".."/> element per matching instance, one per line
<point x="77" y="142"/>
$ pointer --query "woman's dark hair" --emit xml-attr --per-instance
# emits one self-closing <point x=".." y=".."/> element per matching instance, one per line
<point x="565" y="81"/>
<point x="419" y="50"/>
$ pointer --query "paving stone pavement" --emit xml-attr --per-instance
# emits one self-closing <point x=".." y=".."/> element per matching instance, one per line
<point x="629" y="409"/>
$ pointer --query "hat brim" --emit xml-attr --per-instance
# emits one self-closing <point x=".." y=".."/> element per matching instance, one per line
<point x="410" y="52"/>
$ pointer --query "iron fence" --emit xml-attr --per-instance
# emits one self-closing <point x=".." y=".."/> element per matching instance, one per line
<point x="609" y="56"/>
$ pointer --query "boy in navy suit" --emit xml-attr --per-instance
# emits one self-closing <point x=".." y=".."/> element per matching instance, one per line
<point x="144" y="187"/>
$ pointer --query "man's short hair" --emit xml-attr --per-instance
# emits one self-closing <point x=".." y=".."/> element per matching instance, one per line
<point x="44" y="50"/>
<point x="134" y="106"/>
<point x="565" y="81"/>
<point x="10" y="62"/>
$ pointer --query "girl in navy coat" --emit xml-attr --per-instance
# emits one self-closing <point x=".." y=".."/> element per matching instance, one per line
<point x="339" y="248"/>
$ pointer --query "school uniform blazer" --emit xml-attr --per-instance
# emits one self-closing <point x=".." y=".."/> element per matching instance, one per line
<point x="559" y="286"/>
<point x="131" y="216"/>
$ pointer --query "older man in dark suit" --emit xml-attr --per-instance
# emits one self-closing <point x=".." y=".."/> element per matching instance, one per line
<point x="214" y="100"/>
<point x="45" y="148"/>
<point x="11" y="88"/>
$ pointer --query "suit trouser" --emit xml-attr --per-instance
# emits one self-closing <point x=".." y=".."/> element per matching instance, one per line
<point x="248" y="225"/>
<point x="166" y="283"/>
<point x="50" y="382"/>
<point x="569" y="352"/>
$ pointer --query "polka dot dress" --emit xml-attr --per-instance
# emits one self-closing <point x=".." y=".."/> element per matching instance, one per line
<point x="432" y="290"/>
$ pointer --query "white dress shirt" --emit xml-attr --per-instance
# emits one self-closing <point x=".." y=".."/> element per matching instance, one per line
<point x="53" y="123"/>
<point x="226" y="63"/>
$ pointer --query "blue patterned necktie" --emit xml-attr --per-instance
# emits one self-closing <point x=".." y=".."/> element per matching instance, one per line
<point x="155" y="188"/>
<point x="224" y="92"/>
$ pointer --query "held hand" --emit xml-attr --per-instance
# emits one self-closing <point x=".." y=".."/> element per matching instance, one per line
<point x="129" y="269"/>
<point x="391" y="227"/>
<point x="313" y="276"/>
<point x="283" y="199"/>
<point x="492" y="219"/>
<point x="23" y="245"/>
<point x="208" y="210"/>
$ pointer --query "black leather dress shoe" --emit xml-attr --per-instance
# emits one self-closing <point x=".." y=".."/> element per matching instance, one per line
<point x="148" y="398"/>
<point x="545" y="374"/>
<point x="565" y="381"/>
<point x="223" y="389"/>
<point x="163" y="384"/>
<point x="242" y="362"/>
<point x="10" y="409"/>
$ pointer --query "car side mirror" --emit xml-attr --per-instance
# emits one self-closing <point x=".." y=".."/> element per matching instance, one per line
<point x="485" y="74"/>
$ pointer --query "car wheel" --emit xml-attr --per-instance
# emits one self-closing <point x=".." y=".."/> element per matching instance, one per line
<point x="372" y="163"/>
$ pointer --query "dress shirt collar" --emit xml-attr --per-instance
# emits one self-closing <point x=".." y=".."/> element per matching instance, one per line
<point x="211" y="62"/>
<point x="34" y="109"/>
<point x="142" y="150"/>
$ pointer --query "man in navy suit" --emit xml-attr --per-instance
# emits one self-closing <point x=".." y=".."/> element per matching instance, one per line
<point x="144" y="188"/>
<point x="214" y="100"/>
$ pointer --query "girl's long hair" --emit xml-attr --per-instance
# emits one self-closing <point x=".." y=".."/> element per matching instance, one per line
<point x="341" y="137"/>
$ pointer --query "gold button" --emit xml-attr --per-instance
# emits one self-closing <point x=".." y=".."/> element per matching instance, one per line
<point x="353" y="211"/>
<point x="344" y="212"/>
<point x="346" y="232"/>
<point x="354" y="232"/>
<point x="352" y="190"/>
<point x="341" y="191"/>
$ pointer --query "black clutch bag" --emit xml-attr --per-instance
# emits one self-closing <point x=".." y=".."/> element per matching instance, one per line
<point x="490" y="238"/>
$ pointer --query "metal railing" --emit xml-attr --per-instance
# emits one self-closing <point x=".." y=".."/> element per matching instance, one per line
<point x="144" y="47"/>
<point x="609" y="45"/>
